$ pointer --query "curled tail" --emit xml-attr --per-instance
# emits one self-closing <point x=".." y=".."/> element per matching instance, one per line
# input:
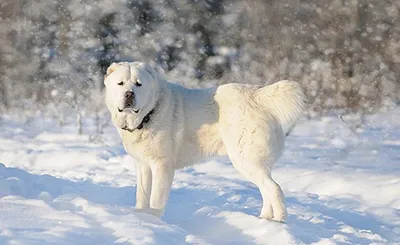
<point x="285" y="100"/>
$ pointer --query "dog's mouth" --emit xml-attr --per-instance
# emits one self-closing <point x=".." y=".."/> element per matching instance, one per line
<point x="127" y="129"/>
<point x="128" y="107"/>
<point x="129" y="102"/>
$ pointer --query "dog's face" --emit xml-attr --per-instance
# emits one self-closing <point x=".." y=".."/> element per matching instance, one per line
<point x="130" y="90"/>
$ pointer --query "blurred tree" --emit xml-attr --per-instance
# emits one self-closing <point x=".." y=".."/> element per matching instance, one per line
<point x="107" y="35"/>
<point x="345" y="53"/>
<point x="144" y="15"/>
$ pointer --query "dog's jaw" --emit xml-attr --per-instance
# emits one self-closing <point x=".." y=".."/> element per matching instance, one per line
<point x="128" y="109"/>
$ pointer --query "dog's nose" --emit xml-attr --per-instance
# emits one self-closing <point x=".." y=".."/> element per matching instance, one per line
<point x="129" y="95"/>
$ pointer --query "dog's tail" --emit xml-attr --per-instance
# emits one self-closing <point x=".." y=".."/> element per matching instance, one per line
<point x="286" y="102"/>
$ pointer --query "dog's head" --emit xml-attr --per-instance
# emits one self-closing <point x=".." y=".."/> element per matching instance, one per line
<point x="131" y="89"/>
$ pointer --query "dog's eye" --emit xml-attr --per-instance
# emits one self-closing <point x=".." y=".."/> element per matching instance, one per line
<point x="138" y="84"/>
<point x="120" y="83"/>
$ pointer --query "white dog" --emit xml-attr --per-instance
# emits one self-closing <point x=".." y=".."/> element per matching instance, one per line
<point x="165" y="127"/>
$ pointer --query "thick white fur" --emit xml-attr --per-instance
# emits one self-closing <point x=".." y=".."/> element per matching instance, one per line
<point x="248" y="123"/>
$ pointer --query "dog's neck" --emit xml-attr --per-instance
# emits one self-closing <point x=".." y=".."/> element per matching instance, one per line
<point x="146" y="119"/>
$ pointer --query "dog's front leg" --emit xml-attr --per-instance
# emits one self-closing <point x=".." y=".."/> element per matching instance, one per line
<point x="163" y="174"/>
<point x="143" y="186"/>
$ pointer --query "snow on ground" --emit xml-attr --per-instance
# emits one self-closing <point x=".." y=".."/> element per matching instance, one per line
<point x="342" y="186"/>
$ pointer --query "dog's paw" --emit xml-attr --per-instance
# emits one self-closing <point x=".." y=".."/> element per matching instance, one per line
<point x="280" y="217"/>
<point x="278" y="221"/>
<point x="141" y="210"/>
<point x="155" y="212"/>
<point x="268" y="214"/>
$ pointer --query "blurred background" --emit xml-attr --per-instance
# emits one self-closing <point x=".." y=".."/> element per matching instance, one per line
<point x="54" y="53"/>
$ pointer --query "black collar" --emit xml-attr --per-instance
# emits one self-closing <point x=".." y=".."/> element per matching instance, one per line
<point x="146" y="119"/>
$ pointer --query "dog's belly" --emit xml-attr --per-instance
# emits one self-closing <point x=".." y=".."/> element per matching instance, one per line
<point x="203" y="143"/>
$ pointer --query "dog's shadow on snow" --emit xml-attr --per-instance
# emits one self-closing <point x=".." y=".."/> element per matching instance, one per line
<point x="17" y="182"/>
<point x="200" y="212"/>
<point x="195" y="209"/>
<point x="208" y="213"/>
<point x="200" y="215"/>
<point x="21" y="183"/>
<point x="332" y="220"/>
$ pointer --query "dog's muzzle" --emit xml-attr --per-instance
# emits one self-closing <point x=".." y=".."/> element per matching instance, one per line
<point x="129" y="98"/>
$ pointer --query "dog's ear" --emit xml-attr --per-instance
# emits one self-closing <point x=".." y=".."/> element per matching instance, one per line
<point x="111" y="69"/>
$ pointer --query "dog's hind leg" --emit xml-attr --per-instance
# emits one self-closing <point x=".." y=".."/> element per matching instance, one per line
<point x="272" y="196"/>
<point x="273" y="199"/>
<point x="143" y="189"/>
<point x="266" y="211"/>
<point x="252" y="154"/>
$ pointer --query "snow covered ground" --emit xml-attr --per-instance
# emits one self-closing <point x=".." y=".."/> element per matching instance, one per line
<point x="341" y="186"/>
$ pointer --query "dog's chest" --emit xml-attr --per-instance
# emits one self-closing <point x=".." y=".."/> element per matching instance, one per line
<point x="145" y="147"/>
